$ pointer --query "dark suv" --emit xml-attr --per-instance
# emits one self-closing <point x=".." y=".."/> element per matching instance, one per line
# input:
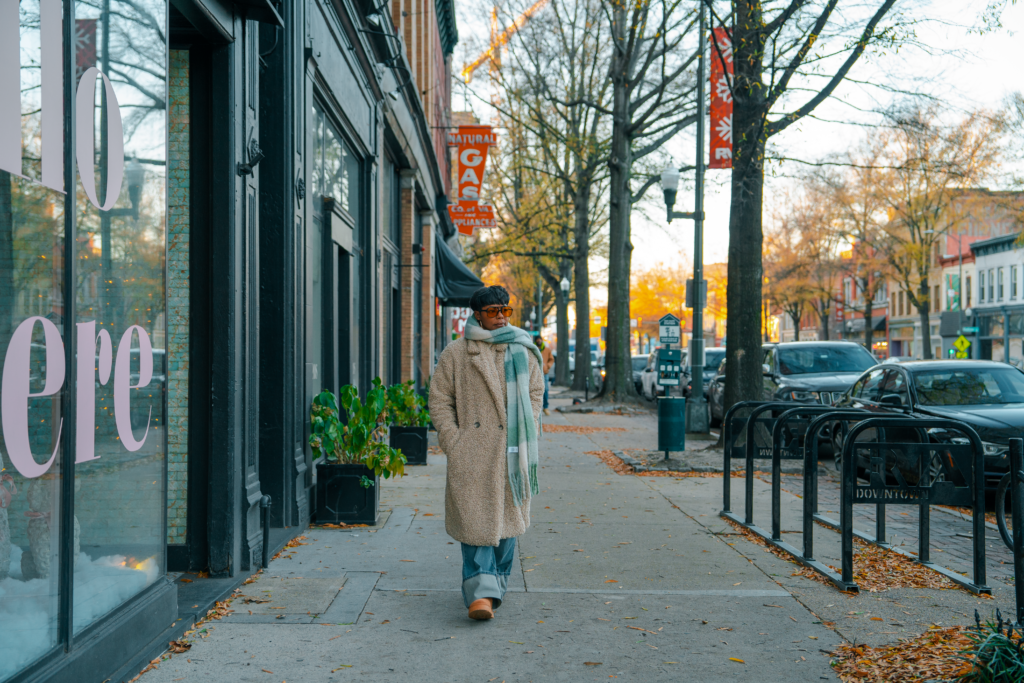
<point x="812" y="372"/>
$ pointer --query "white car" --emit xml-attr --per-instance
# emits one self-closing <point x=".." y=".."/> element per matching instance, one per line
<point x="649" y="377"/>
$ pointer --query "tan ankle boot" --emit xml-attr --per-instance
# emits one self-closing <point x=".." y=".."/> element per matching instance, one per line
<point x="481" y="609"/>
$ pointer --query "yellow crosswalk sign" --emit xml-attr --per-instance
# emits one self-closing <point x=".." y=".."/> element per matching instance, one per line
<point x="961" y="344"/>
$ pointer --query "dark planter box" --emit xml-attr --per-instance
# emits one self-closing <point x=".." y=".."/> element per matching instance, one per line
<point x="340" y="498"/>
<point x="412" y="441"/>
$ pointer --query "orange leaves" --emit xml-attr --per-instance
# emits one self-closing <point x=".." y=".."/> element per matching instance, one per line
<point x="931" y="656"/>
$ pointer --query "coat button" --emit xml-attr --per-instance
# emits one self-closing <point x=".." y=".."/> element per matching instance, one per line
<point x="501" y="426"/>
<point x="478" y="425"/>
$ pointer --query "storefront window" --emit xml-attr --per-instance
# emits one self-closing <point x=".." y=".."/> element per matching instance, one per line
<point x="1017" y="323"/>
<point x="32" y="349"/>
<point x="991" y="326"/>
<point x="335" y="168"/>
<point x="120" y="480"/>
<point x="117" y="331"/>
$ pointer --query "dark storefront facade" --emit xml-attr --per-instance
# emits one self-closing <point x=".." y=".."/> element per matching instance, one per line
<point x="243" y="212"/>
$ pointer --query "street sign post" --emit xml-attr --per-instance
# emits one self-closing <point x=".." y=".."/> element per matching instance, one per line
<point x="962" y="345"/>
<point x="669" y="330"/>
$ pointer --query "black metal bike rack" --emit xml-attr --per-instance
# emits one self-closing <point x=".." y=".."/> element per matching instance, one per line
<point x="810" y="498"/>
<point x="1017" y="508"/>
<point x="969" y="469"/>
<point x="753" y="421"/>
<point x="731" y="429"/>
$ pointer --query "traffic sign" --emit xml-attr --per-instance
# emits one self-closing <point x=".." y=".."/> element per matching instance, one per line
<point x="669" y="329"/>
<point x="962" y="344"/>
<point x="970" y="330"/>
<point x="962" y="354"/>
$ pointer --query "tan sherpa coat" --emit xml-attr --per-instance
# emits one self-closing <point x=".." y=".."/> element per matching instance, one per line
<point x="467" y="407"/>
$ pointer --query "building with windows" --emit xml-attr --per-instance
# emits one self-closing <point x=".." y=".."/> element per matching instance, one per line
<point x="254" y="210"/>
<point x="998" y="314"/>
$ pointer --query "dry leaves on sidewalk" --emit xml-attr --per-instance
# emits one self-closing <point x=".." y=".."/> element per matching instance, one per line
<point x="579" y="429"/>
<point x="931" y="656"/>
<point x="876" y="569"/>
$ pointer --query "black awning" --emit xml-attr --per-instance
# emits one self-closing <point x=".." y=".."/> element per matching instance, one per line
<point x="455" y="282"/>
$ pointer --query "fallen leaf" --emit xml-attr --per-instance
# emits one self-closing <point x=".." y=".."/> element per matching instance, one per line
<point x="611" y="581"/>
<point x="736" y="659"/>
<point x="516" y="642"/>
<point x="592" y="663"/>
<point x="877" y="619"/>
<point x="185" y="580"/>
<point x="267" y="672"/>
<point x="343" y="666"/>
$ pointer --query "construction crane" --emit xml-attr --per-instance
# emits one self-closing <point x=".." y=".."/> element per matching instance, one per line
<point x="500" y="40"/>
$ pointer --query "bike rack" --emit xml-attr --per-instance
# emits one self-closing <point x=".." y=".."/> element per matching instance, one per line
<point x="971" y="494"/>
<point x="1017" y="507"/>
<point x="729" y="434"/>
<point x="753" y="421"/>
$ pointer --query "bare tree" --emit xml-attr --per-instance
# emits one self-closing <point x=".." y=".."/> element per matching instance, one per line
<point x="779" y="52"/>
<point x="924" y="191"/>
<point x="653" y="99"/>
<point x="554" y="86"/>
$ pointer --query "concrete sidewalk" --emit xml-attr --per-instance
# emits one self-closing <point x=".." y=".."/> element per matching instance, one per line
<point x="628" y="577"/>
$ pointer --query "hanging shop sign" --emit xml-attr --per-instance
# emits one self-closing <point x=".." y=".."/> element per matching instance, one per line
<point x="721" y="99"/>
<point x="471" y="143"/>
<point x="15" y="388"/>
<point x="469" y="216"/>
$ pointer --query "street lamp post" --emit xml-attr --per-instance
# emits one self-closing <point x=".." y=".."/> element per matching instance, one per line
<point x="697" y="419"/>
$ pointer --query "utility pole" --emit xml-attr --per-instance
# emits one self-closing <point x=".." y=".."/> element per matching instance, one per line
<point x="696" y="406"/>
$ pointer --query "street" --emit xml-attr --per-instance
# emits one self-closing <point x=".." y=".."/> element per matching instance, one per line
<point x="627" y="577"/>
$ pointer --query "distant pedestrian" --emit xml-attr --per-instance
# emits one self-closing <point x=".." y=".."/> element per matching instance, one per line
<point x="485" y="402"/>
<point x="549" y="360"/>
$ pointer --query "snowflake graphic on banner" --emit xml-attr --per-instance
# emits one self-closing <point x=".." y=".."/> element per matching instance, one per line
<point x="724" y="49"/>
<point x="723" y="89"/>
<point x="725" y="128"/>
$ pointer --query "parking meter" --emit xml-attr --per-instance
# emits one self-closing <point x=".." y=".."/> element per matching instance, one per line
<point x="670" y="367"/>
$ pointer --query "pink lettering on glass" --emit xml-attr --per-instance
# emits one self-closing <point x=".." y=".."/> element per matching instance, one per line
<point x="15" y="393"/>
<point x="89" y="362"/>
<point x="123" y="385"/>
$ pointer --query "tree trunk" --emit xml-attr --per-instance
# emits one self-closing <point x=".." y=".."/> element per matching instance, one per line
<point x="561" y="319"/>
<point x="618" y="382"/>
<point x="869" y="324"/>
<point x="926" y="328"/>
<point x="796" y="326"/>
<point x="581" y="281"/>
<point x="743" y="293"/>
<point x="744" y="380"/>
<point x="823" y="314"/>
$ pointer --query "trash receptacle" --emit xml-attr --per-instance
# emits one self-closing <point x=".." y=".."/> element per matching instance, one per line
<point x="671" y="424"/>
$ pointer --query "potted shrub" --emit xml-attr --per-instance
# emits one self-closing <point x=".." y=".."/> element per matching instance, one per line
<point x="352" y="457"/>
<point x="409" y="420"/>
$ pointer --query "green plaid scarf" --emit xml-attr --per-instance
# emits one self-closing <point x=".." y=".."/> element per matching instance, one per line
<point x="522" y="429"/>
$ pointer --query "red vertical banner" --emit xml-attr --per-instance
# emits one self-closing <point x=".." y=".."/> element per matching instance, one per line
<point x="85" y="46"/>
<point x="471" y="143"/>
<point x="721" y="99"/>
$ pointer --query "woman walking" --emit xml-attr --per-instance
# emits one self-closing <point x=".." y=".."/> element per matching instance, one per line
<point x="485" y="402"/>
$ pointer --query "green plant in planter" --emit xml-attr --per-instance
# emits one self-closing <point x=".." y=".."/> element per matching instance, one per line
<point x="406" y="408"/>
<point x="361" y="439"/>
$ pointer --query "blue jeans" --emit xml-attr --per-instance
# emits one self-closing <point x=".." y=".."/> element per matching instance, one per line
<point x="485" y="570"/>
<point x="545" y="392"/>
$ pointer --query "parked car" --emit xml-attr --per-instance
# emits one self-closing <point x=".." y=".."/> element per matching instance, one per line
<point x="639" y="363"/>
<point x="987" y="395"/>
<point x="812" y="372"/>
<point x="716" y="395"/>
<point x="713" y="357"/>
<point x="650" y="389"/>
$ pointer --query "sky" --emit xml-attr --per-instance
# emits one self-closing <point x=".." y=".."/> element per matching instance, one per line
<point x="964" y="70"/>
